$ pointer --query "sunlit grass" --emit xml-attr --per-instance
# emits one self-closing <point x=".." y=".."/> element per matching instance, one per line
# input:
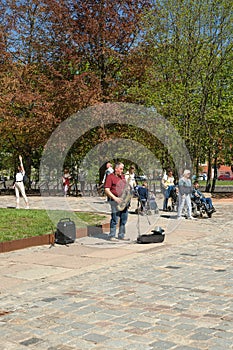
<point x="218" y="183"/>
<point x="17" y="224"/>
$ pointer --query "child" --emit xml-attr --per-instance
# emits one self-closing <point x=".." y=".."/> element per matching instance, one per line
<point x="142" y="196"/>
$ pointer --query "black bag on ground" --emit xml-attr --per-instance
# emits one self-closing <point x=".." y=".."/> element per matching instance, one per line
<point x="156" y="237"/>
<point x="66" y="232"/>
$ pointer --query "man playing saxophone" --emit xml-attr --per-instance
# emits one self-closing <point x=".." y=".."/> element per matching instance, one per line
<point x="114" y="188"/>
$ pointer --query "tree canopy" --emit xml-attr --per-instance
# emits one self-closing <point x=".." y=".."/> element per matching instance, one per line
<point x="58" y="57"/>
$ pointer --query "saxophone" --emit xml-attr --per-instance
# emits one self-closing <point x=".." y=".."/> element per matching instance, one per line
<point x="126" y="197"/>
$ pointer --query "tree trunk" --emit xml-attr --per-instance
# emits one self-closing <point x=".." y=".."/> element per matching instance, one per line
<point x="197" y="167"/>
<point x="208" y="182"/>
<point x="28" y="167"/>
<point x="215" y="175"/>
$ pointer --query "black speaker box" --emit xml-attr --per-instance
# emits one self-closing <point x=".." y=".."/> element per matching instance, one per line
<point x="66" y="232"/>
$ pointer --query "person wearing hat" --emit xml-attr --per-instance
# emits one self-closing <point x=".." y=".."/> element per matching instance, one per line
<point x="185" y="190"/>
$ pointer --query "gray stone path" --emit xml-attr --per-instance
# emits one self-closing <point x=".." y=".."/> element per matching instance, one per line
<point x="176" y="295"/>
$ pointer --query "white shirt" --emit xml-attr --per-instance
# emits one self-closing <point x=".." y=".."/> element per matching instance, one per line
<point x="106" y="173"/>
<point x="130" y="178"/>
<point x="167" y="181"/>
<point x="19" y="176"/>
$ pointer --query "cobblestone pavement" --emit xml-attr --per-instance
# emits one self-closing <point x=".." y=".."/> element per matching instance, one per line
<point x="177" y="295"/>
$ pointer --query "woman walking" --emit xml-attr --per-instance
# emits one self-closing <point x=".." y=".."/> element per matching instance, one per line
<point x="19" y="185"/>
<point x="185" y="190"/>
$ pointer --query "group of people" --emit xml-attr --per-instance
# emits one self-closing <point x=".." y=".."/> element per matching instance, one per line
<point x="115" y="183"/>
<point x="186" y="192"/>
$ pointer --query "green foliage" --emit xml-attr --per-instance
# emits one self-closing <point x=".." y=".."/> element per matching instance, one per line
<point x="60" y="57"/>
<point x="188" y="80"/>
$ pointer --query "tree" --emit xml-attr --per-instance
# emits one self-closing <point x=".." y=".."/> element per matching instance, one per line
<point x="189" y="44"/>
<point x="62" y="57"/>
<point x="95" y="37"/>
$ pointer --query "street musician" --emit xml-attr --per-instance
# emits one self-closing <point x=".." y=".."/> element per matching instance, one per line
<point x="114" y="188"/>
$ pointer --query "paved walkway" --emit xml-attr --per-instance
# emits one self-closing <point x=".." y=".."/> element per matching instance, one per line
<point x="96" y="294"/>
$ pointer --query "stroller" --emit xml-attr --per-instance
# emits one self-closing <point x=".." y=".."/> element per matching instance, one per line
<point x="152" y="205"/>
<point x="173" y="200"/>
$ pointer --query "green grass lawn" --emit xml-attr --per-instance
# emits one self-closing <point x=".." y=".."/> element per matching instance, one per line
<point x="218" y="183"/>
<point x="17" y="224"/>
<point x="224" y="183"/>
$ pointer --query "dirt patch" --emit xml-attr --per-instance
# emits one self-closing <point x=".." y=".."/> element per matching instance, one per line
<point x="222" y="196"/>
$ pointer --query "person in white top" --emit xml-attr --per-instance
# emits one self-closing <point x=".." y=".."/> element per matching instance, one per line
<point x="130" y="177"/>
<point x="185" y="191"/>
<point x="109" y="170"/>
<point x="19" y="185"/>
<point x="168" y="184"/>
